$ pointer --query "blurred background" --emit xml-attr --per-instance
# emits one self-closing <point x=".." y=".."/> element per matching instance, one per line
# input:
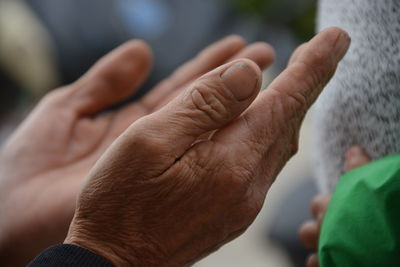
<point x="48" y="43"/>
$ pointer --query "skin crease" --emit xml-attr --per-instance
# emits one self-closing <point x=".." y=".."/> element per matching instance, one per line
<point x="160" y="196"/>
<point x="44" y="163"/>
<point x="309" y="231"/>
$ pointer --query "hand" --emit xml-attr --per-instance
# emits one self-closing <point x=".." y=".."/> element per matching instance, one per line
<point x="183" y="181"/>
<point x="309" y="231"/>
<point x="44" y="163"/>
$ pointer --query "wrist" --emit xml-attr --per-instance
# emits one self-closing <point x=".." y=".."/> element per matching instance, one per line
<point x="107" y="250"/>
<point x="116" y="250"/>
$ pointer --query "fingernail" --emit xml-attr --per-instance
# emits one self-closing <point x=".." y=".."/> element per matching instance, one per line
<point x="241" y="79"/>
<point x="342" y="44"/>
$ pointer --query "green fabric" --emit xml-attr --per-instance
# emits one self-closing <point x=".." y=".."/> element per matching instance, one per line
<point x="362" y="224"/>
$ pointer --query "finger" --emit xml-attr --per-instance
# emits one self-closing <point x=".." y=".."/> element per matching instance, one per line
<point x="112" y="79"/>
<point x="208" y="59"/>
<point x="308" y="234"/>
<point x="356" y="157"/>
<point x="319" y="205"/>
<point x="209" y="103"/>
<point x="312" y="261"/>
<point x="279" y="110"/>
<point x="261" y="53"/>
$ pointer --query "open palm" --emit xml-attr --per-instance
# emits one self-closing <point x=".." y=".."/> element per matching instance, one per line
<point x="43" y="165"/>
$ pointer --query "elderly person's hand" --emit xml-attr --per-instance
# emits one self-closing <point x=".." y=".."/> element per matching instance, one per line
<point x="183" y="181"/>
<point x="44" y="163"/>
<point x="309" y="231"/>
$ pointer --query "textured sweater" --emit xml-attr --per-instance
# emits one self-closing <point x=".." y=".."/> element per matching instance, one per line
<point x="361" y="104"/>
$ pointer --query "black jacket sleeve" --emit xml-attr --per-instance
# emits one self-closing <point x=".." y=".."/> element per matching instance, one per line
<point x="68" y="256"/>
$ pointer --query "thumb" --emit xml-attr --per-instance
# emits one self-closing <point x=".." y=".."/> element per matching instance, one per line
<point x="211" y="102"/>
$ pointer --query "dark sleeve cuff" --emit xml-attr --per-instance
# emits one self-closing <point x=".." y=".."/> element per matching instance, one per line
<point x="67" y="256"/>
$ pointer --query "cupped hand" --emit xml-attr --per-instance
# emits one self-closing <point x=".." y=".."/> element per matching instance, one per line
<point x="183" y="181"/>
<point x="44" y="163"/>
<point x="309" y="231"/>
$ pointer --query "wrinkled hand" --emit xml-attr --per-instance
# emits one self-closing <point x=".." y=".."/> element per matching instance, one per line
<point x="183" y="181"/>
<point x="309" y="231"/>
<point x="43" y="164"/>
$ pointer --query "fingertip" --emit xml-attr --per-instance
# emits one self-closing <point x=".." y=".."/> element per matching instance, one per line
<point x="113" y="78"/>
<point x="319" y="205"/>
<point x="242" y="77"/>
<point x="236" y="39"/>
<point x="118" y="65"/>
<point x="338" y="39"/>
<point x="227" y="46"/>
<point x="253" y="66"/>
<point x="261" y="53"/>
<point x="308" y="234"/>
<point x="137" y="50"/>
<point x="334" y="31"/>
<point x="332" y="34"/>
<point x="313" y="67"/>
<point x="269" y="51"/>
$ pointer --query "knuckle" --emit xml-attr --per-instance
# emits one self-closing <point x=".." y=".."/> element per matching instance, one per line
<point x="210" y="99"/>
<point x="258" y="142"/>
<point x="241" y="178"/>
<point x="307" y="75"/>
<point x="233" y="179"/>
<point x="295" y="148"/>
<point x="56" y="97"/>
<point x="295" y="144"/>
<point x="57" y="102"/>
<point x="253" y="210"/>
<point x="147" y="142"/>
<point x="201" y="161"/>
<point x="249" y="211"/>
<point x="320" y="69"/>
<point x="141" y="139"/>
<point x="144" y="140"/>
<point x="309" y="82"/>
<point x="242" y="173"/>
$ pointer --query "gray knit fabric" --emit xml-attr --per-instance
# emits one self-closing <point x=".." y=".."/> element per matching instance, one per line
<point x="361" y="105"/>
